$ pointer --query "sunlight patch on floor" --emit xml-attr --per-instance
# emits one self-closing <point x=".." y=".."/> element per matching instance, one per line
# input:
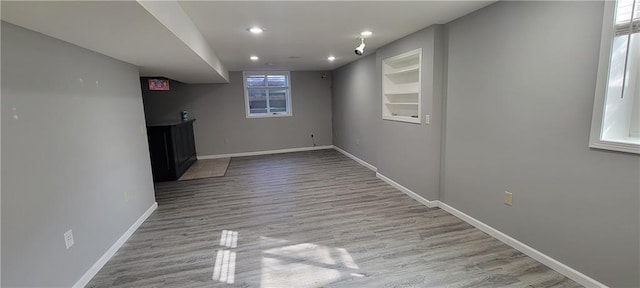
<point x="224" y="269"/>
<point x="283" y="273"/>
<point x="304" y="265"/>
<point x="229" y="239"/>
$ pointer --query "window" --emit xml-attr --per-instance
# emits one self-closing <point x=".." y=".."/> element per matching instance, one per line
<point x="616" y="111"/>
<point x="267" y="94"/>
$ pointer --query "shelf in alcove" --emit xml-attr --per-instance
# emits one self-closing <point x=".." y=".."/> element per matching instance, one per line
<point x="404" y="70"/>
<point x="402" y="103"/>
<point x="402" y="118"/>
<point x="401" y="87"/>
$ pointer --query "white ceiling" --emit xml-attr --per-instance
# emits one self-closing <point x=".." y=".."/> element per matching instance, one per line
<point x="298" y="35"/>
<point x="311" y="31"/>
<point x="120" y="29"/>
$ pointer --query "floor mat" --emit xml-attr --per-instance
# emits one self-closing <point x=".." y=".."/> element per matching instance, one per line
<point x="206" y="168"/>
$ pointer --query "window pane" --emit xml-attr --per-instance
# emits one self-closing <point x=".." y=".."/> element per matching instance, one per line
<point x="257" y="101"/>
<point x="278" y="100"/>
<point x="633" y="77"/>
<point x="616" y="68"/>
<point x="255" y="80"/>
<point x="620" y="109"/>
<point x="268" y="93"/>
<point x="623" y="11"/>
<point x="277" y="80"/>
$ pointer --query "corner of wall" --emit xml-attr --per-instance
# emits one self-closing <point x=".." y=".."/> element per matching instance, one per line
<point x="443" y="38"/>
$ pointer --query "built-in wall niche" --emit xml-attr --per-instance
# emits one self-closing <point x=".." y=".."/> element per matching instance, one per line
<point x="401" y="87"/>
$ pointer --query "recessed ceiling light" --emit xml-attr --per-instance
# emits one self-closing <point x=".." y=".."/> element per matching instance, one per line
<point x="254" y="58"/>
<point x="255" y="30"/>
<point x="331" y="58"/>
<point x="366" y="33"/>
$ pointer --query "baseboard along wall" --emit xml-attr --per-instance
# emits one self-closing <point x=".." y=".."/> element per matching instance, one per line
<point x="255" y="153"/>
<point x="84" y="280"/>
<point x="529" y="251"/>
<point x="514" y="243"/>
<point x="354" y="158"/>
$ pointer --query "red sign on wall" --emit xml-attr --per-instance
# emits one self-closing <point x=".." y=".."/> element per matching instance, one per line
<point x="158" y="84"/>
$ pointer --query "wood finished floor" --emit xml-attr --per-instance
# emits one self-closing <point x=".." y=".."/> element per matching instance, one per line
<point x="310" y="219"/>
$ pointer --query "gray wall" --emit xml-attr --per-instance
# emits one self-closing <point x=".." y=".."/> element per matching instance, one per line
<point x="356" y="103"/>
<point x="221" y="126"/>
<point x="405" y="152"/>
<point x="77" y="145"/>
<point x="410" y="153"/>
<point x="519" y="91"/>
<point x="521" y="85"/>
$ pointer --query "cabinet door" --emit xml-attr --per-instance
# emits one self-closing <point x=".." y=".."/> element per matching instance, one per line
<point x="160" y="152"/>
<point x="190" y="142"/>
<point x="179" y="138"/>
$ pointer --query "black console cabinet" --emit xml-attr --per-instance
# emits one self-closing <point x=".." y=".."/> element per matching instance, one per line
<point x="172" y="148"/>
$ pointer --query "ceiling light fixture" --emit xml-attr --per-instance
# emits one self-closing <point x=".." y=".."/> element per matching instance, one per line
<point x="331" y="58"/>
<point x="366" y="33"/>
<point x="255" y="30"/>
<point x="254" y="58"/>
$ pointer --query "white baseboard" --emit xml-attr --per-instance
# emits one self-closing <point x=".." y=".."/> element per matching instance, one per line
<point x="524" y="248"/>
<point x="84" y="280"/>
<point x="362" y="162"/>
<point x="405" y="190"/>
<point x="242" y="154"/>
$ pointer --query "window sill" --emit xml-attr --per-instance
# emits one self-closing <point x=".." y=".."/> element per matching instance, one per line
<point x="628" y="145"/>
<point x="270" y="115"/>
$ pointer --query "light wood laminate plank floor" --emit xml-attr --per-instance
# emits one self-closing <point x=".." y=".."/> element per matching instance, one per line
<point x="310" y="219"/>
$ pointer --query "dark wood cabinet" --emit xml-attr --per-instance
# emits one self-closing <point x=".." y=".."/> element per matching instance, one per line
<point x="172" y="148"/>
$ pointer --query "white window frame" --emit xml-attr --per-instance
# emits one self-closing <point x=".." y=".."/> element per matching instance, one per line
<point x="247" y="109"/>
<point x="595" y="138"/>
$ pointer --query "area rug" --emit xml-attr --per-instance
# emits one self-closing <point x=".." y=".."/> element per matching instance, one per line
<point x="206" y="168"/>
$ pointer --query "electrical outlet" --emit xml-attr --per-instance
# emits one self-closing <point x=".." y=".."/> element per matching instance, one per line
<point x="508" y="198"/>
<point x="357" y="141"/>
<point x="427" y="119"/>
<point x="68" y="238"/>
